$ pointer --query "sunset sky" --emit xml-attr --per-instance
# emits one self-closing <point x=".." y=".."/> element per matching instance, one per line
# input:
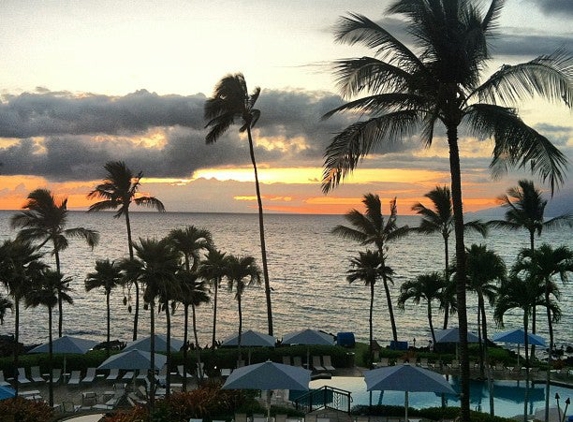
<point x="86" y="82"/>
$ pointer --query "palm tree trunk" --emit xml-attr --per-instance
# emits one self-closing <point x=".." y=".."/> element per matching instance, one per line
<point x="447" y="279"/>
<point x="214" y="340"/>
<point x="130" y="248"/>
<point x="108" y="328"/>
<point x="431" y="322"/>
<point x="389" y="304"/>
<point x="50" y="359"/>
<point x="60" y="302"/>
<point x="16" y="344"/>
<point x="549" y="358"/>
<point x="534" y="310"/>
<point x="240" y="326"/>
<point x="371" y="325"/>
<point x="486" y="359"/>
<point x="196" y="336"/>
<point x="151" y="372"/>
<point x="262" y="235"/>
<point x="457" y="205"/>
<point x="168" y="373"/>
<point x="185" y="343"/>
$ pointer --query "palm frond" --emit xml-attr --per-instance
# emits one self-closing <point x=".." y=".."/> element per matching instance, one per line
<point x="150" y="202"/>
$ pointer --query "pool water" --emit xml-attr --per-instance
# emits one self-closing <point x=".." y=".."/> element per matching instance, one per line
<point x="508" y="395"/>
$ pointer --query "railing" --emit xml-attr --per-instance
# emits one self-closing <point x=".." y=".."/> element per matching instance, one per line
<point x="324" y="398"/>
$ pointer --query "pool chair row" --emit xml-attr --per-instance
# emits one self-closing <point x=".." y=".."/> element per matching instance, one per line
<point x="317" y="363"/>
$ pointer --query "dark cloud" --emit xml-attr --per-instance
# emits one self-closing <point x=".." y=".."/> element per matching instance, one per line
<point x="562" y="8"/>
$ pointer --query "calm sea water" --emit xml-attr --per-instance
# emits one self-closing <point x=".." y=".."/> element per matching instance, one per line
<point x="307" y="267"/>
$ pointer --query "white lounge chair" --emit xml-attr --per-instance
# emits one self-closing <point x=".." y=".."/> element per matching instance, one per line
<point x="56" y="375"/>
<point x="141" y="375"/>
<point x="3" y="381"/>
<point x="35" y="374"/>
<point x="128" y="375"/>
<point x="22" y="376"/>
<point x="327" y="363"/>
<point x="316" y="365"/>
<point x="75" y="378"/>
<point x="113" y="374"/>
<point x="90" y="375"/>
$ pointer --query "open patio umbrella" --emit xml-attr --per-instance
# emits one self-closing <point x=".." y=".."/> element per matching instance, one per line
<point x="309" y="338"/>
<point x="517" y="336"/>
<point x="250" y="339"/>
<point x="268" y="376"/>
<point x="144" y="344"/>
<point x="66" y="345"/>
<point x="6" y="392"/>
<point x="132" y="360"/>
<point x="452" y="335"/>
<point x="408" y="379"/>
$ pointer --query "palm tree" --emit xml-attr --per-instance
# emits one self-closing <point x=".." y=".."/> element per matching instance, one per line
<point x="368" y="267"/>
<point x="19" y="265"/>
<point x="525" y="209"/>
<point x="427" y="287"/>
<point x="485" y="270"/>
<point x="231" y="101"/>
<point x="410" y="91"/>
<point x="44" y="220"/>
<point x="213" y="269"/>
<point x="371" y="229"/>
<point x="241" y="272"/>
<point x="440" y="219"/>
<point x="107" y="275"/>
<point x="48" y="290"/>
<point x="189" y="242"/>
<point x="155" y="264"/>
<point x="5" y="305"/>
<point x="119" y="189"/>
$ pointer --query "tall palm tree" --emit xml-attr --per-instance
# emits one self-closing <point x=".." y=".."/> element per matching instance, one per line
<point x="440" y="219"/>
<point x="5" y="305"/>
<point x="213" y="269"/>
<point x="370" y="228"/>
<point x="189" y="242"/>
<point x="44" y="220"/>
<point x="485" y="271"/>
<point x="410" y="91"/>
<point x="120" y="188"/>
<point x="427" y="287"/>
<point x="368" y="267"/>
<point x="19" y="266"/>
<point x="155" y="264"/>
<point x="231" y="101"/>
<point x="108" y="276"/>
<point x="48" y="290"/>
<point x="241" y="272"/>
<point x="525" y="209"/>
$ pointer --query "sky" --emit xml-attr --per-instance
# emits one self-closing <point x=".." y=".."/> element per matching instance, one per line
<point x="87" y="82"/>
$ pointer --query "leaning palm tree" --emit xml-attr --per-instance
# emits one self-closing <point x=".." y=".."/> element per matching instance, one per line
<point x="427" y="287"/>
<point x="48" y="290"/>
<point x="213" y="269"/>
<point x="19" y="266"/>
<point x="241" y="272"/>
<point x="370" y="228"/>
<point x="231" y="101"/>
<point x="413" y="90"/>
<point x="108" y="276"/>
<point x="368" y="267"/>
<point x="440" y="219"/>
<point x="119" y="190"/>
<point x="44" y="220"/>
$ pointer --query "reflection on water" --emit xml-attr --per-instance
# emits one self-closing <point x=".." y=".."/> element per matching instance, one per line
<point x="508" y="395"/>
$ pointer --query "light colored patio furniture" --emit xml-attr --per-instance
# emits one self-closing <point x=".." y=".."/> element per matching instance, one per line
<point x="327" y="363"/>
<point x="90" y="375"/>
<point x="297" y="361"/>
<point x="113" y="374"/>
<point x="56" y="375"/>
<point x="3" y="381"/>
<point x="22" y="376"/>
<point x="36" y="375"/>
<point x="316" y="365"/>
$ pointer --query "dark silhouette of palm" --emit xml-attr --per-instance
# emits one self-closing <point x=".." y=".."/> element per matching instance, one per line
<point x="240" y="273"/>
<point x="44" y="220"/>
<point x="525" y="209"/>
<point x="213" y="269"/>
<point x="189" y="242"/>
<point x="426" y="287"/>
<point x="368" y="267"/>
<point x="20" y="265"/>
<point x="119" y="190"/>
<point x="231" y="101"/>
<point x="410" y="91"/>
<point x="49" y="289"/>
<point x="370" y="228"/>
<point x="108" y="276"/>
<point x="440" y="219"/>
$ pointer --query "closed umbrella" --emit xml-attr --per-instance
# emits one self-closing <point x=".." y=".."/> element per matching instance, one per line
<point x="408" y="379"/>
<point x="268" y="376"/>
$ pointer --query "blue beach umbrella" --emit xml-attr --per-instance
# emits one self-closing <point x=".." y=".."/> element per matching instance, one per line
<point x="132" y="360"/>
<point x="160" y="344"/>
<point x="6" y="393"/>
<point x="309" y="338"/>
<point x="408" y="379"/>
<point x="250" y="339"/>
<point x="517" y="336"/>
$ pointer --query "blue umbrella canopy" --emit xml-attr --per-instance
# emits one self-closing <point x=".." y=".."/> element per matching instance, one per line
<point x="517" y="336"/>
<point x="309" y="337"/>
<point x="160" y="344"/>
<point x="269" y="376"/>
<point x="251" y="338"/>
<point x="66" y="345"/>
<point x="452" y="335"/>
<point x="132" y="360"/>
<point x="6" y="392"/>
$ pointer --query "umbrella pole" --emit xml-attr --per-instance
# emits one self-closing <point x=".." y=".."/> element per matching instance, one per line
<point x="268" y="405"/>
<point x="406" y="406"/>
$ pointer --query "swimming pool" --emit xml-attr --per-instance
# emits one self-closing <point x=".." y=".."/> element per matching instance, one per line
<point x="508" y="395"/>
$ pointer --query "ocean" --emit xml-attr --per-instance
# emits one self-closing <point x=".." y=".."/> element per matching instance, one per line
<point x="307" y="268"/>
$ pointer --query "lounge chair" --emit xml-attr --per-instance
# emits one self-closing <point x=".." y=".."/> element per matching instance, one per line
<point x="22" y="376"/>
<point x="322" y="419"/>
<point x="281" y="417"/>
<point x="316" y="365"/>
<point x="297" y="361"/>
<point x="3" y="381"/>
<point x="327" y="363"/>
<point x="240" y="363"/>
<point x="161" y="377"/>
<point x="56" y="375"/>
<point x="113" y="374"/>
<point x="128" y="375"/>
<point x="89" y="398"/>
<point x="90" y="375"/>
<point x="195" y="420"/>
<point x="141" y="374"/>
<point x="310" y="418"/>
<point x="181" y="372"/>
<point x="286" y="360"/>
<point x="259" y="417"/>
<point x="240" y="417"/>
<point x="35" y="374"/>
<point x="225" y="372"/>
<point x="424" y="363"/>
<point x="75" y="378"/>
<point x="383" y="362"/>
